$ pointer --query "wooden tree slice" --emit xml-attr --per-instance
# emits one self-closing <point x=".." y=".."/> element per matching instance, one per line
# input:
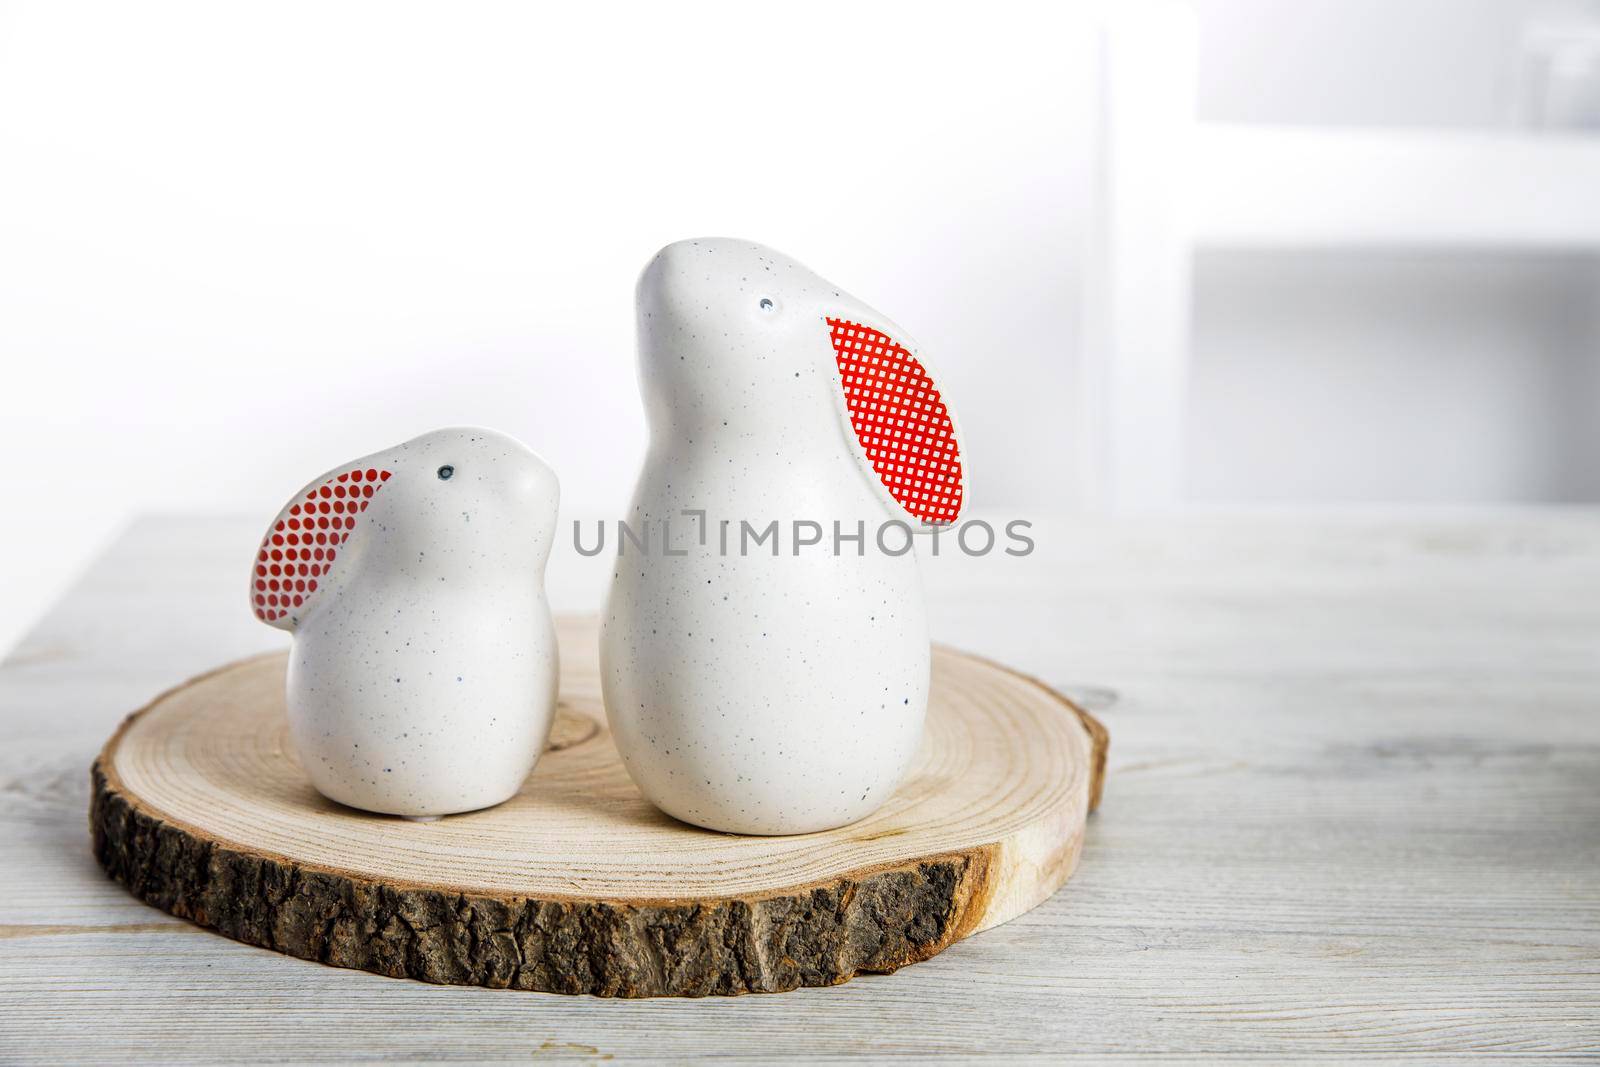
<point x="577" y="884"/>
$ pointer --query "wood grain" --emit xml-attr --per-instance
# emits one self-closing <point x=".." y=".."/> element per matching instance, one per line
<point x="577" y="884"/>
<point x="1351" y="814"/>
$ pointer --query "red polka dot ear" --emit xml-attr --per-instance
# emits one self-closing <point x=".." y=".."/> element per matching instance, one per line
<point x="901" y="422"/>
<point x="304" y="540"/>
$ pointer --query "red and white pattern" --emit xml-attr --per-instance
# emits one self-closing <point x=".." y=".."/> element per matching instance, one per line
<point x="900" y="421"/>
<point x="304" y="542"/>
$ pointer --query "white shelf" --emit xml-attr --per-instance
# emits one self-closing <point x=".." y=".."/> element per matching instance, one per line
<point x="1297" y="187"/>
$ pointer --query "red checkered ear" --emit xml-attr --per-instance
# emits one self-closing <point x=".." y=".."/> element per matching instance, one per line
<point x="305" y="540"/>
<point x="903" y="425"/>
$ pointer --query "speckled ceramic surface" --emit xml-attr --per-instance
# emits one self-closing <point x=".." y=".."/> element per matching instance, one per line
<point x="751" y="692"/>
<point x="423" y="675"/>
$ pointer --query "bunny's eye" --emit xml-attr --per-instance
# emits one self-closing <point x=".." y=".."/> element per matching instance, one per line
<point x="767" y="304"/>
<point x="445" y="472"/>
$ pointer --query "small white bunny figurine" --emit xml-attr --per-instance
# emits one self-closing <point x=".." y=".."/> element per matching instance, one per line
<point x="423" y="675"/>
<point x="774" y="690"/>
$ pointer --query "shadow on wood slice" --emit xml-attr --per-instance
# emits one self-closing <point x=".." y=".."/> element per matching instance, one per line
<point x="577" y="884"/>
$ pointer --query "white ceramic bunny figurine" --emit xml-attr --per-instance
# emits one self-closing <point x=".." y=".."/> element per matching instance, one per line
<point x="423" y="675"/>
<point x="759" y="693"/>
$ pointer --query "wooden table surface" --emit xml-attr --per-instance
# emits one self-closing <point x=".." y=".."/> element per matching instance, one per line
<point x="1353" y="808"/>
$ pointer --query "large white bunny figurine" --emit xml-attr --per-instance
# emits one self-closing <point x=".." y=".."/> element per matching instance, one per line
<point x="423" y="675"/>
<point x="759" y="693"/>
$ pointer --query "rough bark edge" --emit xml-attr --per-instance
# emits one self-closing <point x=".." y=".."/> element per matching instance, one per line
<point x="820" y="935"/>
<point x="872" y="921"/>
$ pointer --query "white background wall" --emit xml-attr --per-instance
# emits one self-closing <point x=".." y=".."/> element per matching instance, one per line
<point x="239" y="244"/>
<point x="1449" y="63"/>
<point x="1397" y="375"/>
